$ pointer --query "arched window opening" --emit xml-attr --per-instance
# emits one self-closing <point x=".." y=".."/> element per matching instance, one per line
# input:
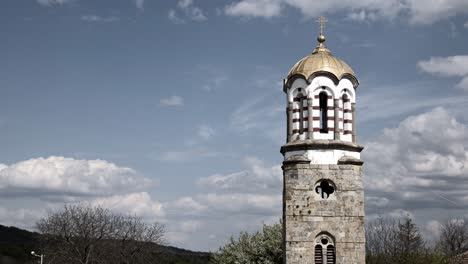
<point x="301" y="112"/>
<point x="298" y="112"/>
<point x="324" y="250"/>
<point x="323" y="102"/>
<point x="347" y="115"/>
<point x="318" y="254"/>
<point x="330" y="254"/>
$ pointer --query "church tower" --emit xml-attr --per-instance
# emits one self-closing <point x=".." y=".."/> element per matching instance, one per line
<point x="323" y="195"/>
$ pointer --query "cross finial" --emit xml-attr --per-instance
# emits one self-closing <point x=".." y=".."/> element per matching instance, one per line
<point x="322" y="21"/>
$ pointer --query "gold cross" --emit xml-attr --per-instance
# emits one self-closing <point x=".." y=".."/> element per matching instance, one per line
<point x="321" y="21"/>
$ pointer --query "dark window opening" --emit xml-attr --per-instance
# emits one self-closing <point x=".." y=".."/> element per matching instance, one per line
<point x="318" y="254"/>
<point x="301" y="112"/>
<point x="323" y="102"/>
<point x="330" y="254"/>
<point x="324" y="189"/>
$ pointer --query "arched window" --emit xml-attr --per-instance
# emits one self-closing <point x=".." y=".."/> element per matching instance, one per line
<point x="324" y="250"/>
<point x="318" y="254"/>
<point x="323" y="102"/>
<point x="301" y="112"/>
<point x="347" y="115"/>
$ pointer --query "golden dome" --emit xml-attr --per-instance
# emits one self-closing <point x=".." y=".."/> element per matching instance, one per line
<point x="322" y="62"/>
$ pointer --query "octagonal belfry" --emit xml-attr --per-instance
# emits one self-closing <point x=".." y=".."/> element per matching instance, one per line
<point x="323" y="194"/>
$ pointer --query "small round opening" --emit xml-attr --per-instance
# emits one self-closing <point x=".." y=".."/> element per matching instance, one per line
<point x="324" y="241"/>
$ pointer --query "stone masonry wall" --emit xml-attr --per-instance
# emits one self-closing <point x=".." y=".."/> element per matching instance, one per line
<point x="307" y="215"/>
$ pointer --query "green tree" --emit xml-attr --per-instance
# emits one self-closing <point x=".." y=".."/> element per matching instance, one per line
<point x="262" y="247"/>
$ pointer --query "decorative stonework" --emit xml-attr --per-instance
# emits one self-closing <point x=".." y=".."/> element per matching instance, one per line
<point x="306" y="214"/>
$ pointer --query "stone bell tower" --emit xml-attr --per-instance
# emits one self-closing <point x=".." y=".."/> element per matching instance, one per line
<point x="323" y="195"/>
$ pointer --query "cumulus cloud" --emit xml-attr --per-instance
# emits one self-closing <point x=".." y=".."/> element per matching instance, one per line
<point x="272" y="8"/>
<point x="185" y="206"/>
<point x="420" y="164"/>
<point x="423" y="13"/>
<point x="139" y="204"/>
<point x="189" y="11"/>
<point x="448" y="67"/>
<point x="227" y="204"/>
<point x="257" y="190"/>
<point x="418" y="10"/>
<point x="57" y="176"/>
<point x="172" y="101"/>
<point x="20" y="217"/>
<point x="255" y="8"/>
<point x="242" y="203"/>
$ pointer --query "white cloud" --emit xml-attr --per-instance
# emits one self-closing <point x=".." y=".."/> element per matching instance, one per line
<point x="189" y="226"/>
<point x="423" y="13"/>
<point x="189" y="10"/>
<point x="140" y="204"/>
<point x="362" y="16"/>
<point x="433" y="228"/>
<point x="53" y="2"/>
<point x="20" y="217"/>
<point x="172" y="101"/>
<point x="140" y="4"/>
<point x="227" y="204"/>
<point x="256" y="177"/>
<point x="206" y="132"/>
<point x="61" y="176"/>
<point x="381" y="8"/>
<point x="255" y="8"/>
<point x="448" y="66"/>
<point x="430" y="143"/>
<point x="419" y="11"/>
<point x="421" y="164"/>
<point x="185" y="206"/>
<point x="193" y="12"/>
<point x="95" y="18"/>
<point x="174" y="18"/>
<point x="242" y="203"/>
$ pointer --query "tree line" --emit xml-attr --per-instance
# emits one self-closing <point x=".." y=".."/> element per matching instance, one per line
<point x="388" y="241"/>
<point x="83" y="234"/>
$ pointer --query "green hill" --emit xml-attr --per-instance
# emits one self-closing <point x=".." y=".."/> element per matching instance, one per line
<point x="16" y="245"/>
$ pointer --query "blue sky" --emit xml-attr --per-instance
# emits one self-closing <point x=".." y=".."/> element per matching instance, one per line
<point x="173" y="110"/>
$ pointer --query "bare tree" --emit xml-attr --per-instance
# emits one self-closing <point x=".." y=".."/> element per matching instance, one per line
<point x="84" y="234"/>
<point x="382" y="240"/>
<point x="397" y="241"/>
<point x="454" y="237"/>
